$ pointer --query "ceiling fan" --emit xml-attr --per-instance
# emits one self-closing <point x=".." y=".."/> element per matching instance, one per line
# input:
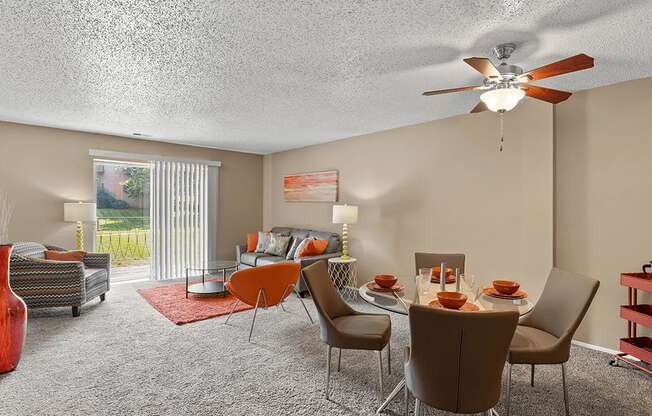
<point x="506" y="84"/>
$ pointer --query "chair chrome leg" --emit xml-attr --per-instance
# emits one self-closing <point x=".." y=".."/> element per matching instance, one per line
<point x="328" y="370"/>
<point x="339" y="359"/>
<point x="380" y="374"/>
<point x="417" y="407"/>
<point x="392" y="396"/>
<point x="407" y="399"/>
<point x="253" y="321"/>
<point x="285" y="292"/>
<point x="304" y="308"/>
<point x="389" y="358"/>
<point x="563" y="381"/>
<point x="532" y="376"/>
<point x="509" y="388"/>
<point x="235" y="304"/>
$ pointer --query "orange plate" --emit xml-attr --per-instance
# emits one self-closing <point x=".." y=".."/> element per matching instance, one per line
<point x="376" y="288"/>
<point x="490" y="291"/>
<point x="449" y="279"/>
<point x="467" y="307"/>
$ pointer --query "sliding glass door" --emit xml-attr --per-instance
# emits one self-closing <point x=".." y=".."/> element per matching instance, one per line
<point x="123" y="217"/>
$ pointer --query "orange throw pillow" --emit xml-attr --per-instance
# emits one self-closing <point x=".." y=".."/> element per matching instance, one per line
<point x="76" y="255"/>
<point x="314" y="248"/>
<point x="252" y="242"/>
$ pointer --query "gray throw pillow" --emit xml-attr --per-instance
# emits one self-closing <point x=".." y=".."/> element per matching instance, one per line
<point x="278" y="244"/>
<point x="293" y="248"/>
<point x="300" y="247"/>
<point x="263" y="241"/>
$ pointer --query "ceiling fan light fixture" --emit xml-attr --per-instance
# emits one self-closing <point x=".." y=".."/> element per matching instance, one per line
<point x="502" y="99"/>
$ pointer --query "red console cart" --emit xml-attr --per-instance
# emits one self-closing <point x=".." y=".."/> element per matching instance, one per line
<point x="636" y="314"/>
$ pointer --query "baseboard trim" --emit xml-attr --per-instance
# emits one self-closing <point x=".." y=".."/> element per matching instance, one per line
<point x="126" y="282"/>
<point x="595" y="347"/>
<point x="601" y="349"/>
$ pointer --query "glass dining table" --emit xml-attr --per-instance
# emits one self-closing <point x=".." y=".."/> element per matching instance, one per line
<point x="400" y="301"/>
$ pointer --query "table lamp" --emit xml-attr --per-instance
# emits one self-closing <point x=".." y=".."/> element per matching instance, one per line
<point x="79" y="212"/>
<point x="345" y="215"/>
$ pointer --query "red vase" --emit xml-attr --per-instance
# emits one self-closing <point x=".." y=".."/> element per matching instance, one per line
<point x="13" y="317"/>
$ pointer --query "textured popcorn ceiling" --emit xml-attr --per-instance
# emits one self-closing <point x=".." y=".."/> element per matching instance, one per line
<point x="264" y="76"/>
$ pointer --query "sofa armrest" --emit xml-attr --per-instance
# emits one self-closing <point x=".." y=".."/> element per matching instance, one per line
<point x="239" y="249"/>
<point x="308" y="260"/>
<point x="98" y="261"/>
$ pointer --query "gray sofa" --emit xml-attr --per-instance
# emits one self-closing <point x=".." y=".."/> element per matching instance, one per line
<point x="334" y="249"/>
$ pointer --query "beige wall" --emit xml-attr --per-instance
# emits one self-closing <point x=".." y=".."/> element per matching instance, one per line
<point x="41" y="168"/>
<point x="603" y="197"/>
<point x="441" y="187"/>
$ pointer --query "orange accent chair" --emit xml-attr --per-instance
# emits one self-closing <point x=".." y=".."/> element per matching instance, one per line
<point x="272" y="283"/>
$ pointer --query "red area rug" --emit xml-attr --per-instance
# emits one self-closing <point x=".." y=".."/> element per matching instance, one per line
<point x="171" y="302"/>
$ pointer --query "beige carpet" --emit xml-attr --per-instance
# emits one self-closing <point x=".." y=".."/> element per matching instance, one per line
<point x="121" y="357"/>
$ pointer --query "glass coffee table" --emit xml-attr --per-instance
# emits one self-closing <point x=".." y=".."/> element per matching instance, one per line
<point x="216" y="271"/>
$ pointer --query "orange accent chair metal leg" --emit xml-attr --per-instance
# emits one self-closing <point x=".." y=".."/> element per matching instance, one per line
<point x="271" y="283"/>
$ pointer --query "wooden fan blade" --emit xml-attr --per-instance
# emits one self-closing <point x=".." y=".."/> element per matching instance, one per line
<point x="437" y="92"/>
<point x="484" y="66"/>
<point x="480" y="107"/>
<point x="572" y="64"/>
<point x="546" y="94"/>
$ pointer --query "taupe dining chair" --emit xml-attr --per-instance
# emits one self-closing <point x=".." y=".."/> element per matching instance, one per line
<point x="544" y="336"/>
<point x="343" y="327"/>
<point x="455" y="361"/>
<point x="454" y="261"/>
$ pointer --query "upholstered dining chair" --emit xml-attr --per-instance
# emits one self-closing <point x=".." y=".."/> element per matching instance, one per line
<point x="544" y="336"/>
<point x="455" y="360"/>
<point x="341" y="326"/>
<point x="454" y="261"/>
<point x="264" y="286"/>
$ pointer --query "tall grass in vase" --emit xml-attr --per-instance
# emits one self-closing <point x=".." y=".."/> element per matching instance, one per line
<point x="6" y="209"/>
<point x="13" y="311"/>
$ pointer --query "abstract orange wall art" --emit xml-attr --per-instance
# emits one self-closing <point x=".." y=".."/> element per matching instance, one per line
<point x="311" y="186"/>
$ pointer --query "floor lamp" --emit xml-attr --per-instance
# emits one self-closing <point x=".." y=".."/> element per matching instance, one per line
<point x="79" y="212"/>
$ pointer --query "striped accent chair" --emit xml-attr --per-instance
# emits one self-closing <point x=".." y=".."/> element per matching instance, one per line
<point x="49" y="283"/>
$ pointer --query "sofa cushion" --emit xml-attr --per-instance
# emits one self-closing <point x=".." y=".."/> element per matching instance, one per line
<point x="250" y="258"/>
<point x="297" y="233"/>
<point x="293" y="247"/>
<point x="314" y="248"/>
<point x="93" y="277"/>
<point x="261" y="261"/>
<point x="299" y="249"/>
<point x="29" y="249"/>
<point x="278" y="245"/>
<point x="333" y="240"/>
<point x="74" y="255"/>
<point x="252" y="242"/>
<point x="263" y="241"/>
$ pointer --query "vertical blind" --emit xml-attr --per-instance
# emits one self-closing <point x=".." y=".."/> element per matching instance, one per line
<point x="179" y="217"/>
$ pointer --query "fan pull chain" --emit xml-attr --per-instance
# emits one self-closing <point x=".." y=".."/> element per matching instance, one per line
<point x="502" y="130"/>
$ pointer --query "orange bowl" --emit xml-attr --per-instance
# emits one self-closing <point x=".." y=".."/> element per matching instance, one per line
<point x="505" y="287"/>
<point x="451" y="300"/>
<point x="385" y="280"/>
<point x="436" y="271"/>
